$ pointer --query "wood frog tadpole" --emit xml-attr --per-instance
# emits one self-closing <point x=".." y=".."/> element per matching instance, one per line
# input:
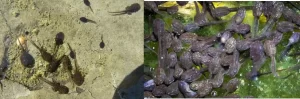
<point x="223" y="11"/>
<point x="129" y="10"/>
<point x="235" y="65"/>
<point x="239" y="16"/>
<point x="171" y="10"/>
<point x="151" y="6"/>
<point x="292" y="40"/>
<point x="258" y="58"/>
<point x="270" y="49"/>
<point x="217" y="80"/>
<point x="276" y="13"/>
<point x="178" y="71"/>
<point x="257" y="12"/>
<point x="185" y="89"/>
<point x="285" y="26"/>
<point x="186" y="60"/>
<point x="192" y="74"/>
<point x="177" y="27"/>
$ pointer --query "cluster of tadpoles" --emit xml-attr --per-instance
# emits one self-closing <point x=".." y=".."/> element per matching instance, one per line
<point x="28" y="61"/>
<point x="178" y="73"/>
<point x="128" y="10"/>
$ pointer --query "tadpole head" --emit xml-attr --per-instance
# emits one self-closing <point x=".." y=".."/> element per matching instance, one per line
<point x="83" y="19"/>
<point x="294" y="38"/>
<point x="59" y="39"/>
<point x="101" y="44"/>
<point x="27" y="60"/>
<point x="87" y="2"/>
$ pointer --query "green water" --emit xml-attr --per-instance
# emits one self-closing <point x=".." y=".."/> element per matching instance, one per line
<point x="266" y="85"/>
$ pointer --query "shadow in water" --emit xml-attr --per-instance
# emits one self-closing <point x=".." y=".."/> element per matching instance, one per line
<point x="131" y="86"/>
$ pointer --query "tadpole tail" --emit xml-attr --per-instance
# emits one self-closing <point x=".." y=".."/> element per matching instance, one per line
<point x="284" y="52"/>
<point x="214" y="22"/>
<point x="295" y="6"/>
<point x="273" y="66"/>
<point x="92" y="21"/>
<point x="255" y="27"/>
<point x="267" y="27"/>
<point x="118" y="12"/>
<point x="122" y="13"/>
<point x="91" y="9"/>
<point x="35" y="45"/>
<point x="46" y="81"/>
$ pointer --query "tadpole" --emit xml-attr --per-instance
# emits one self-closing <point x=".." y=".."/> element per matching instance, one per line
<point x="85" y="20"/>
<point x="133" y="8"/>
<point x="87" y="3"/>
<point x="27" y="60"/>
<point x="101" y="43"/>
<point x="59" y="40"/>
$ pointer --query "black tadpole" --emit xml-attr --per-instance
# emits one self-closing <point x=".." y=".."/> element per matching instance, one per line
<point x="85" y="20"/>
<point x="101" y="43"/>
<point x="87" y="3"/>
<point x="27" y="60"/>
<point x="59" y="38"/>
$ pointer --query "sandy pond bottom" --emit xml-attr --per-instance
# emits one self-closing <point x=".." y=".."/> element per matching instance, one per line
<point x="105" y="69"/>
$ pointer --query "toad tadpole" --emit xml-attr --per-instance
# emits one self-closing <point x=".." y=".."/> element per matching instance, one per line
<point x="258" y="58"/>
<point x="270" y="50"/>
<point x="257" y="12"/>
<point x="102" y="44"/>
<point x="292" y="40"/>
<point x="77" y="76"/>
<point x="87" y="3"/>
<point x="27" y="60"/>
<point x="133" y="8"/>
<point x="85" y="20"/>
<point x="59" y="40"/>
<point x="275" y="15"/>
<point x="72" y="52"/>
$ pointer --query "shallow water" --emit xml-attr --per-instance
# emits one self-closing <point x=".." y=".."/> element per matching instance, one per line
<point x="104" y="69"/>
